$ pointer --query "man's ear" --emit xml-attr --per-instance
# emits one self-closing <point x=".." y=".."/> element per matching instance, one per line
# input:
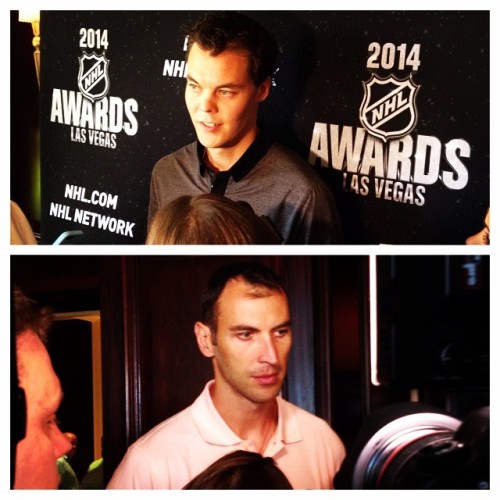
<point x="204" y="339"/>
<point x="264" y="89"/>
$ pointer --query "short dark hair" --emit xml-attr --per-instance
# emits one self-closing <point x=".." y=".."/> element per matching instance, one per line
<point x="30" y="316"/>
<point x="241" y="470"/>
<point x="253" y="273"/>
<point x="220" y="31"/>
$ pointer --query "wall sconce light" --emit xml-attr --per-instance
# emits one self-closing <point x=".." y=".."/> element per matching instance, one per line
<point x="33" y="17"/>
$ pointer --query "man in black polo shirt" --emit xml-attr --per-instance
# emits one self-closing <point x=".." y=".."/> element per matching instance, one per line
<point x="231" y="59"/>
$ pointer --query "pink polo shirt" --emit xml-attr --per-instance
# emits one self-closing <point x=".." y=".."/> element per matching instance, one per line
<point x="304" y="447"/>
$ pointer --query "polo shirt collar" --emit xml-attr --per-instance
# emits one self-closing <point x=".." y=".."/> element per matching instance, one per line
<point x="247" y="162"/>
<point x="288" y="427"/>
<point x="212" y="427"/>
<point x="214" y="430"/>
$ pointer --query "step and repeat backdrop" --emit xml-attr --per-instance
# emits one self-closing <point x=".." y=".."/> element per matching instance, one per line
<point x="390" y="107"/>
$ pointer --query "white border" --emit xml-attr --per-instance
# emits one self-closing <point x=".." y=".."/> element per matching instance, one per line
<point x="7" y="250"/>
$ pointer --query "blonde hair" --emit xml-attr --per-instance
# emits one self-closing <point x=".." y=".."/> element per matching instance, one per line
<point x="209" y="219"/>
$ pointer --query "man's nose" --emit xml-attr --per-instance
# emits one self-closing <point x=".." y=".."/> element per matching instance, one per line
<point x="207" y="102"/>
<point x="62" y="445"/>
<point x="268" y="350"/>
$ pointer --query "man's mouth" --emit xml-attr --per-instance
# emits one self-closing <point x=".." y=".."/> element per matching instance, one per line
<point x="209" y="125"/>
<point x="267" y="379"/>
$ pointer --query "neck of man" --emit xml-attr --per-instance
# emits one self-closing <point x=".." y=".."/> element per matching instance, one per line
<point x="251" y="421"/>
<point x="222" y="159"/>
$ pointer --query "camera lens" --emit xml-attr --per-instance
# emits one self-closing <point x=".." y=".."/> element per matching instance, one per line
<point x="396" y="439"/>
<point x="391" y="448"/>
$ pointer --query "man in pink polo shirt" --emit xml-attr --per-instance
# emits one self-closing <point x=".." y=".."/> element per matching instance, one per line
<point x="246" y="332"/>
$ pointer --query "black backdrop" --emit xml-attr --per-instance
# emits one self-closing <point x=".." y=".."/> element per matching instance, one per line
<point x="430" y="186"/>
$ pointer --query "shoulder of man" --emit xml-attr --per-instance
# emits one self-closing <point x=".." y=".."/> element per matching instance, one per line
<point x="293" y="164"/>
<point x="186" y="153"/>
<point x="138" y="468"/>
<point x="315" y="428"/>
<point x="169" y="430"/>
<point x="302" y="415"/>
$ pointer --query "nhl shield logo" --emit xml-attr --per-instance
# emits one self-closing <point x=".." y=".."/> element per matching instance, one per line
<point x="389" y="110"/>
<point x="93" y="77"/>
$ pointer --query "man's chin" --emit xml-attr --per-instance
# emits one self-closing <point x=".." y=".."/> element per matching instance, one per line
<point x="208" y="139"/>
<point x="266" y="393"/>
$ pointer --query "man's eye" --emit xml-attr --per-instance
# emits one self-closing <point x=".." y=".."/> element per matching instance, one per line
<point x="245" y="335"/>
<point x="54" y="421"/>
<point x="282" y="332"/>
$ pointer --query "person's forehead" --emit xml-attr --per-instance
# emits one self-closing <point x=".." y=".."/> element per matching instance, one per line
<point x="237" y="289"/>
<point x="230" y="60"/>
<point x="37" y="375"/>
<point x="51" y="393"/>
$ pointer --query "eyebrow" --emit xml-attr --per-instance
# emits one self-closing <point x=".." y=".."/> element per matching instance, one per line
<point x="248" y="328"/>
<point x="223" y="86"/>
